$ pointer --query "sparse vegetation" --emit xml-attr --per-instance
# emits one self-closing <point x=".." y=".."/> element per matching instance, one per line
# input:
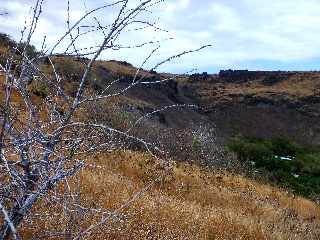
<point x="8" y="43"/>
<point x="191" y="203"/>
<point x="39" y="88"/>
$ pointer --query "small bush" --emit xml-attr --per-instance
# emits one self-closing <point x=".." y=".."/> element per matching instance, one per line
<point x="309" y="163"/>
<point x="7" y="42"/>
<point x="283" y="147"/>
<point x="39" y="89"/>
<point x="7" y="46"/>
<point x="249" y="149"/>
<point x="31" y="50"/>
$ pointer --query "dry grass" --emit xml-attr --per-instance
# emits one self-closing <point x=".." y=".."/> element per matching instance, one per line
<point x="295" y="87"/>
<point x="121" y="69"/>
<point x="191" y="203"/>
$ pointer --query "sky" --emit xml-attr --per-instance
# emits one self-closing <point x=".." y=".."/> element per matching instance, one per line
<point x="244" y="34"/>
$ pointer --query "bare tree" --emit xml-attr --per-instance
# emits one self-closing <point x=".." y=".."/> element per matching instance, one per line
<point x="40" y="146"/>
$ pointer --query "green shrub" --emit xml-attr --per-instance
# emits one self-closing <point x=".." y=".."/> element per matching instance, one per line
<point x="39" y="89"/>
<point x="239" y="146"/>
<point x="6" y="41"/>
<point x="301" y="173"/>
<point x="31" y="50"/>
<point x="309" y="163"/>
<point x="195" y="144"/>
<point x="303" y="185"/>
<point x="248" y="150"/>
<point x="7" y="44"/>
<point x="283" y="147"/>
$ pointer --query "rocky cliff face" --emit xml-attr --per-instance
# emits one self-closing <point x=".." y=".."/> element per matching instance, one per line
<point x="256" y="103"/>
<point x="269" y="77"/>
<point x="261" y="104"/>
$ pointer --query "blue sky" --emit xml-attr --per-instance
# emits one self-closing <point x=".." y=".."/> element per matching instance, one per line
<point x="245" y="34"/>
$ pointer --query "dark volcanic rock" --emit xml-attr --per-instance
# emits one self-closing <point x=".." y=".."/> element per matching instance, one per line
<point x="268" y="77"/>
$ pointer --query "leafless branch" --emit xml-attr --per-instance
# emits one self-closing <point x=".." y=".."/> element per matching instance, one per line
<point x="46" y="144"/>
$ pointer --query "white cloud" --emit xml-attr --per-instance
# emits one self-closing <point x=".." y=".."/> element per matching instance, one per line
<point x="240" y="31"/>
<point x="225" y="17"/>
<point x="173" y="5"/>
<point x="184" y="3"/>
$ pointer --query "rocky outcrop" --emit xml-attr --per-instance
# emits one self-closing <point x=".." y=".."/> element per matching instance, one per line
<point x="260" y="103"/>
<point x="268" y="77"/>
<point x="236" y="101"/>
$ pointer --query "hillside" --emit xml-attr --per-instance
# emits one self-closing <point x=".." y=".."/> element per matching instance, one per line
<point x="237" y="102"/>
<point x="284" y="103"/>
<point x="208" y="193"/>
<point x="191" y="203"/>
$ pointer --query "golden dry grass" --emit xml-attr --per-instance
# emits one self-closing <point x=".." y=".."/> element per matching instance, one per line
<point x="291" y="87"/>
<point x="191" y="203"/>
<point x="297" y="86"/>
